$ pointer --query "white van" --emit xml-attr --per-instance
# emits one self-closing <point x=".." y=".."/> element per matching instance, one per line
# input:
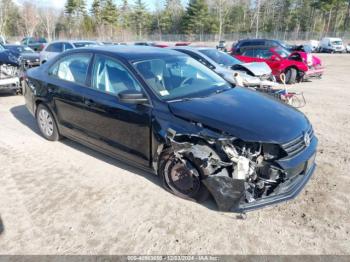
<point x="332" y="45"/>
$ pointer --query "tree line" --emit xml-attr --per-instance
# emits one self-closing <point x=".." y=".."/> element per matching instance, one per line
<point x="123" y="20"/>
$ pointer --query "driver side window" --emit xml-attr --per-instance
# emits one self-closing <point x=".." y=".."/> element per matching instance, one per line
<point x="110" y="76"/>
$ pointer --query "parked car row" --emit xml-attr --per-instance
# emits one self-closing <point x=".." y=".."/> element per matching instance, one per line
<point x="296" y="65"/>
<point x="169" y="112"/>
<point x="254" y="63"/>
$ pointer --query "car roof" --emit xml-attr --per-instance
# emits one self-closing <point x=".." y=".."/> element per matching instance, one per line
<point x="14" y="45"/>
<point x="132" y="53"/>
<point x="72" y="41"/>
<point x="259" y="39"/>
<point x="193" y="48"/>
<point x="333" y="38"/>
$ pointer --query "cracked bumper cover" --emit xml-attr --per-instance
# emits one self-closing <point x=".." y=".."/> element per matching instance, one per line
<point x="228" y="193"/>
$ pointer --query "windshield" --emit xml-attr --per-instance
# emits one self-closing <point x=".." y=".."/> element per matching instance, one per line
<point x="282" y="52"/>
<point x="221" y="58"/>
<point x="21" y="49"/>
<point x="337" y="42"/>
<point x="177" y="77"/>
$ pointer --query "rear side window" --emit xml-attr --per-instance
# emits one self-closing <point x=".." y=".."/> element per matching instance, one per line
<point x="72" y="68"/>
<point x="263" y="53"/>
<point x="55" y="48"/>
<point x="67" y="46"/>
<point x="248" y="52"/>
<point x="112" y="77"/>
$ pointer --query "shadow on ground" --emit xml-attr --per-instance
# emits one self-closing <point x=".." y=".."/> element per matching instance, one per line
<point x="6" y="92"/>
<point x="22" y="114"/>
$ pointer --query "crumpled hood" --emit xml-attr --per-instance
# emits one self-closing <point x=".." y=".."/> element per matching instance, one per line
<point x="245" y="114"/>
<point x="256" y="68"/>
<point x="248" y="80"/>
<point x="8" y="57"/>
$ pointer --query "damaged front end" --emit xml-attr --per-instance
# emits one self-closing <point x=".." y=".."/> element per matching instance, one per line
<point x="9" y="71"/>
<point x="240" y="175"/>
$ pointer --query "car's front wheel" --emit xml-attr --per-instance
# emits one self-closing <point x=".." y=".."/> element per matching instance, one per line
<point x="183" y="177"/>
<point x="291" y="75"/>
<point x="46" y="123"/>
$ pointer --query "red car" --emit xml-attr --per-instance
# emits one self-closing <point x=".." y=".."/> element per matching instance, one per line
<point x="297" y="66"/>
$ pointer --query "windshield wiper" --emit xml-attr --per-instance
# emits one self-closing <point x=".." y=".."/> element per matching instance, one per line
<point x="184" y="99"/>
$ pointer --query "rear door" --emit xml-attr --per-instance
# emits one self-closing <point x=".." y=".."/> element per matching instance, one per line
<point x="67" y="85"/>
<point x="119" y="128"/>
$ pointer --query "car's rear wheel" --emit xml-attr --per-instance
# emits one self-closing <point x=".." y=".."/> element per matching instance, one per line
<point x="46" y="123"/>
<point x="291" y="75"/>
<point x="182" y="177"/>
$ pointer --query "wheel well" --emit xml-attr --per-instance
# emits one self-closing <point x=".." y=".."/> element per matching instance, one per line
<point x="289" y="67"/>
<point x="37" y="103"/>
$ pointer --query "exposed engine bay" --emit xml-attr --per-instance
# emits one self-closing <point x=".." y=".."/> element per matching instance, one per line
<point x="234" y="172"/>
<point x="9" y="76"/>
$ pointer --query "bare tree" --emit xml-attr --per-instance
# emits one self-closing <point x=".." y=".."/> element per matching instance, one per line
<point x="222" y="9"/>
<point x="30" y="15"/>
<point x="4" y="6"/>
<point x="49" y="18"/>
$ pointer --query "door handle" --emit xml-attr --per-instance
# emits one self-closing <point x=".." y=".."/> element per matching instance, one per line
<point x="89" y="102"/>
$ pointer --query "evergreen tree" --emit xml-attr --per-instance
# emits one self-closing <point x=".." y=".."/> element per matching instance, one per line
<point x="109" y="12"/>
<point x="96" y="11"/>
<point x="75" y="11"/>
<point x="124" y="15"/>
<point x="140" y="18"/>
<point x="196" y="19"/>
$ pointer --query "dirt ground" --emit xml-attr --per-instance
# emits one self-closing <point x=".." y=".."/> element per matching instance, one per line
<point x="63" y="198"/>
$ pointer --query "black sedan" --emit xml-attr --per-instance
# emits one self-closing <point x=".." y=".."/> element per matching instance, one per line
<point x="28" y="56"/>
<point x="167" y="113"/>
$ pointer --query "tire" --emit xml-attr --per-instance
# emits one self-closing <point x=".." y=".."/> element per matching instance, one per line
<point x="191" y="186"/>
<point x="47" y="124"/>
<point x="291" y="76"/>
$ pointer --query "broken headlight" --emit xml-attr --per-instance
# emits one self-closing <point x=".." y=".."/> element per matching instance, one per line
<point x="272" y="152"/>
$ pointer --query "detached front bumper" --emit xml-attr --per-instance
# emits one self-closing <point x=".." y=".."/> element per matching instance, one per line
<point x="286" y="191"/>
<point x="314" y="73"/>
<point x="229" y="193"/>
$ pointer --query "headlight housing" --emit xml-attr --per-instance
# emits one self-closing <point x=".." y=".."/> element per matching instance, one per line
<point x="273" y="152"/>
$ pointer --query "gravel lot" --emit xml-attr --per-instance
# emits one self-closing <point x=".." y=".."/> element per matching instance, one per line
<point x="63" y="198"/>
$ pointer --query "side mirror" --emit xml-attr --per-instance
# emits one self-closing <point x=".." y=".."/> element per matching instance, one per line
<point x="132" y="97"/>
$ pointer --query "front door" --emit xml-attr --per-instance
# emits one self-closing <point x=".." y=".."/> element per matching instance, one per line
<point x="120" y="128"/>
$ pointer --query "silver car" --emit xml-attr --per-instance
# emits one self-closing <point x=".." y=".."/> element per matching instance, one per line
<point x="54" y="48"/>
<point x="231" y="69"/>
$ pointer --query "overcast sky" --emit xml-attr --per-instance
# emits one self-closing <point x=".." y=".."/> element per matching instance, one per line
<point x="59" y="4"/>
